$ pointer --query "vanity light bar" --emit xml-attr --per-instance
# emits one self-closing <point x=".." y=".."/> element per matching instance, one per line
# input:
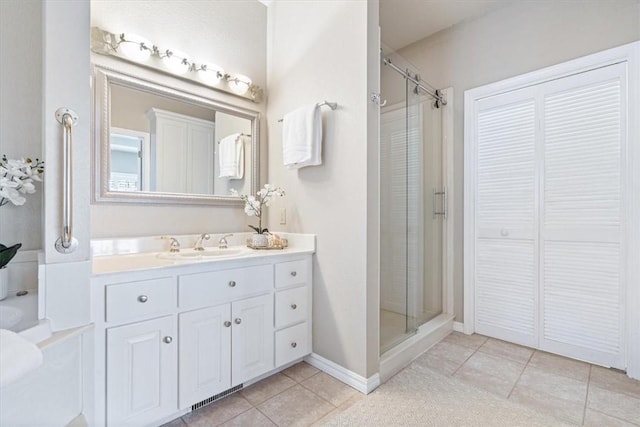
<point x="136" y="49"/>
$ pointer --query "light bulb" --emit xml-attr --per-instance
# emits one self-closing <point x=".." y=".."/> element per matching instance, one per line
<point x="176" y="62"/>
<point x="239" y="83"/>
<point x="211" y="74"/>
<point x="135" y="47"/>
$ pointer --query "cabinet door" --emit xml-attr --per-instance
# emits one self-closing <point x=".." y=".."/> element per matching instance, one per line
<point x="141" y="372"/>
<point x="205" y="353"/>
<point x="252" y="342"/>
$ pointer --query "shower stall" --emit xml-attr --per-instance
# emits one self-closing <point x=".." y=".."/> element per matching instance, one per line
<point x="413" y="202"/>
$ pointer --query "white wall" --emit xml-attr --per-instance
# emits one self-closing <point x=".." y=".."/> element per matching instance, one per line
<point x="229" y="33"/>
<point x="521" y="37"/>
<point x="318" y="51"/>
<point x="21" y="128"/>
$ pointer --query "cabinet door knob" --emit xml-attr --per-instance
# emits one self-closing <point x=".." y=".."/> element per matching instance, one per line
<point x="294" y="306"/>
<point x="294" y="274"/>
<point x="227" y="323"/>
<point x="238" y="320"/>
<point x="167" y="339"/>
<point x="294" y="344"/>
<point x="143" y="298"/>
<point x="232" y="283"/>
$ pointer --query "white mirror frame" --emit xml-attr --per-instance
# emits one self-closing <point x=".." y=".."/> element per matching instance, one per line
<point x="103" y="78"/>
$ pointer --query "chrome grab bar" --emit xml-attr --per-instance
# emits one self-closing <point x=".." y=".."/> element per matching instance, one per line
<point x="67" y="243"/>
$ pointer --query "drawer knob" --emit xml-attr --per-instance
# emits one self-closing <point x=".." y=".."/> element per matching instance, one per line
<point x="143" y="298"/>
<point x="294" y="306"/>
<point x="167" y="339"/>
<point x="232" y="283"/>
<point x="294" y="344"/>
<point x="238" y="320"/>
<point x="227" y="323"/>
<point x="294" y="274"/>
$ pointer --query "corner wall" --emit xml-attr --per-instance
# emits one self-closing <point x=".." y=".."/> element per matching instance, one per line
<point x="512" y="40"/>
<point x="318" y="51"/>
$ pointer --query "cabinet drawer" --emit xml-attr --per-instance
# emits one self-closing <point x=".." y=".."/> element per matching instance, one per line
<point x="216" y="287"/>
<point x="291" y="306"/>
<point x="134" y="300"/>
<point x="291" y="343"/>
<point x="291" y="273"/>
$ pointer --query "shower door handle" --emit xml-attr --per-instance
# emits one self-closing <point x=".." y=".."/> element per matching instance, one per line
<point x="434" y="203"/>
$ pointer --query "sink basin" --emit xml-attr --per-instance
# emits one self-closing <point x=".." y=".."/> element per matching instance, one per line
<point x="192" y="255"/>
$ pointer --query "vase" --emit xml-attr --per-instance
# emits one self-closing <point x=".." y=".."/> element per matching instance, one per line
<point x="259" y="240"/>
<point x="4" y="283"/>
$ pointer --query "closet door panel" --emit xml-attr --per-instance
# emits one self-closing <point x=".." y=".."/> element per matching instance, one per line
<point x="506" y="216"/>
<point x="506" y="288"/>
<point x="582" y="291"/>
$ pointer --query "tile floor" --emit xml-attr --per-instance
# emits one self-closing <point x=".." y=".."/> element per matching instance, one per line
<point x="572" y="391"/>
<point x="298" y="396"/>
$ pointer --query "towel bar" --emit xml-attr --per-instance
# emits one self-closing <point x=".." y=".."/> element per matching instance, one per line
<point x="332" y="105"/>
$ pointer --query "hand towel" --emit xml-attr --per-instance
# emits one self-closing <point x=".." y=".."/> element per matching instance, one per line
<point x="18" y="357"/>
<point x="302" y="137"/>
<point x="231" y="154"/>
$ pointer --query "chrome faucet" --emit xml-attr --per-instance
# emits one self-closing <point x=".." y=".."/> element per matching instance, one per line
<point x="222" y="243"/>
<point x="174" y="244"/>
<point x="200" y="242"/>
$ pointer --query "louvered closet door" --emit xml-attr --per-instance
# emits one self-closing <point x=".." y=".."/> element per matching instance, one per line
<point x="506" y="266"/>
<point x="582" y="293"/>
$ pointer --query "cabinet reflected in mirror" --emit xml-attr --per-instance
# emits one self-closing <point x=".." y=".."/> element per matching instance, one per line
<point x="161" y="145"/>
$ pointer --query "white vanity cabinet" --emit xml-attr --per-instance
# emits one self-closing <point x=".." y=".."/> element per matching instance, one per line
<point x="168" y="338"/>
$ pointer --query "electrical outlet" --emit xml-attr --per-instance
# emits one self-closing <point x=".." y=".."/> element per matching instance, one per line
<point x="283" y="216"/>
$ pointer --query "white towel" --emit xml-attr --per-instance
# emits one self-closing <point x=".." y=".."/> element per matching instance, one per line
<point x="18" y="357"/>
<point x="302" y="137"/>
<point x="231" y="154"/>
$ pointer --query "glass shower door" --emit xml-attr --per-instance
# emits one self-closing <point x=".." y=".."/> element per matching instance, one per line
<point x="401" y="213"/>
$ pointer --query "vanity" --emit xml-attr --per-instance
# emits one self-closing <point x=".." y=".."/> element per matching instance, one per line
<point x="174" y="332"/>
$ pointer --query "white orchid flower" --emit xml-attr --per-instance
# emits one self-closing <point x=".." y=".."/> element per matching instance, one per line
<point x="17" y="177"/>
<point x="12" y="195"/>
<point x="27" y="187"/>
<point x="8" y="182"/>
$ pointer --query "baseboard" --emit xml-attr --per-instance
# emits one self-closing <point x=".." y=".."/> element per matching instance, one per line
<point x="458" y="327"/>
<point x="350" y="378"/>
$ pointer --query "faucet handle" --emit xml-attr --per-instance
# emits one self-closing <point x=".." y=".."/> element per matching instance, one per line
<point x="200" y="240"/>
<point x="222" y="243"/>
<point x="174" y="244"/>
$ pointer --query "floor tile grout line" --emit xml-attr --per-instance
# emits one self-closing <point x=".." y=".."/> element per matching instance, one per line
<point x="613" y="416"/>
<point x="267" y="416"/>
<point x="521" y="372"/>
<point x="467" y="359"/>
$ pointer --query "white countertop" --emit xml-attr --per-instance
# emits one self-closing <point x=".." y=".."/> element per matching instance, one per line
<point x="142" y="253"/>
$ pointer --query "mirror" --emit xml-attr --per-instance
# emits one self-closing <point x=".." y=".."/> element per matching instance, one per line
<point x="156" y="144"/>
